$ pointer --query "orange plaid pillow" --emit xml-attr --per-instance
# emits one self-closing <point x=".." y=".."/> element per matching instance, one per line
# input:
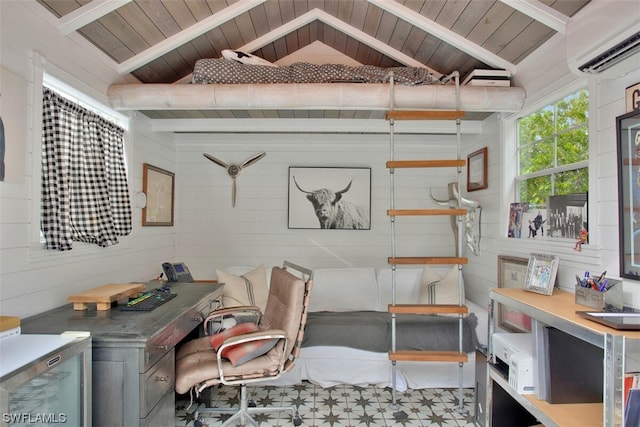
<point x="244" y="352"/>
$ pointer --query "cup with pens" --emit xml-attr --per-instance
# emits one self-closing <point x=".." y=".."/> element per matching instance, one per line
<point x="599" y="291"/>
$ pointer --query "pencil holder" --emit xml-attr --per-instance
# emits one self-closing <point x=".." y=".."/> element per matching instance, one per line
<point x="610" y="299"/>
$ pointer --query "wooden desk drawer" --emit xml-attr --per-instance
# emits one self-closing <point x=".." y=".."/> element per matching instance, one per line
<point x="156" y="382"/>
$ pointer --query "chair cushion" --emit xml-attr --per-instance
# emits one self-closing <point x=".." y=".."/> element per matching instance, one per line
<point x="446" y="287"/>
<point x="242" y="353"/>
<point x="237" y="291"/>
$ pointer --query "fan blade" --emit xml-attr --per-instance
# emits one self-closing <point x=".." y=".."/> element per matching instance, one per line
<point x="234" y="191"/>
<point x="216" y="161"/>
<point x="253" y="159"/>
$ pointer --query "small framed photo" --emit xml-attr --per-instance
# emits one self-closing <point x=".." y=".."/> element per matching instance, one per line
<point x="512" y="272"/>
<point x="158" y="186"/>
<point x="541" y="273"/>
<point x="477" y="170"/>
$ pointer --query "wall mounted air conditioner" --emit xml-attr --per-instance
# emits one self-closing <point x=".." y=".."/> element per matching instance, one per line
<point x="603" y="39"/>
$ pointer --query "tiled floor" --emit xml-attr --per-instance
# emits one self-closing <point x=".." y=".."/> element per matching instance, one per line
<point x="344" y="406"/>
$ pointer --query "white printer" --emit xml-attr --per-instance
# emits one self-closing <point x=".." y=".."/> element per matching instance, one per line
<point x="515" y="351"/>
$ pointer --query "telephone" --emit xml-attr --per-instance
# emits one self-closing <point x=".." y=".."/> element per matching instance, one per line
<point x="176" y="272"/>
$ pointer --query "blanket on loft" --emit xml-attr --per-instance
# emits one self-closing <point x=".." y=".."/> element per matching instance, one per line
<point x="222" y="71"/>
<point x="371" y="331"/>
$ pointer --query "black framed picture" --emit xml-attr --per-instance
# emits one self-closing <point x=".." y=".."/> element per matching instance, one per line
<point x="628" y="133"/>
<point x="568" y="216"/>
<point x="330" y="198"/>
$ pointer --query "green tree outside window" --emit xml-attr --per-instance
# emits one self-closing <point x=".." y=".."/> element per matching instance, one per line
<point x="553" y="150"/>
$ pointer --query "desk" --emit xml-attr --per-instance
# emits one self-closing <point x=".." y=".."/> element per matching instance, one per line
<point x="558" y="311"/>
<point x="133" y="352"/>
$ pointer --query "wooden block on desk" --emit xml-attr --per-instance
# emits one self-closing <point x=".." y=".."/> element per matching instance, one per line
<point x="9" y="322"/>
<point x="104" y="295"/>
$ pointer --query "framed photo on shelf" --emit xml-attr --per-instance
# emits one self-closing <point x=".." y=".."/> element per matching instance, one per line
<point x="330" y="198"/>
<point x="512" y="272"/>
<point x="477" y="170"/>
<point x="158" y="185"/>
<point x="628" y="132"/>
<point x="541" y="273"/>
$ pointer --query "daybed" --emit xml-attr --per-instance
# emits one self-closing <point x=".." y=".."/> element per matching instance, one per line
<point x="348" y="292"/>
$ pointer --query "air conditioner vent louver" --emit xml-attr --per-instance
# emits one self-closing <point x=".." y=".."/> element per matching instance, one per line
<point x="612" y="56"/>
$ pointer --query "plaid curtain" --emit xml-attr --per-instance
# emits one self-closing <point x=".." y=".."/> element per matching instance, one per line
<point x="85" y="196"/>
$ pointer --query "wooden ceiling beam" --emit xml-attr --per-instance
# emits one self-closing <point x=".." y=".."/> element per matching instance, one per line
<point x="88" y="13"/>
<point x="177" y="40"/>
<point x="444" y="34"/>
<point x="541" y="13"/>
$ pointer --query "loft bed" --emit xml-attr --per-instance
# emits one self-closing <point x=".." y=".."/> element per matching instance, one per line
<point x="224" y="84"/>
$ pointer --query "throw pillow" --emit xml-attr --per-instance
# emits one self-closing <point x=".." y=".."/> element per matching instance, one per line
<point x="241" y="329"/>
<point x="243" y="352"/>
<point x="245" y="58"/>
<point x="247" y="289"/>
<point x="444" y="289"/>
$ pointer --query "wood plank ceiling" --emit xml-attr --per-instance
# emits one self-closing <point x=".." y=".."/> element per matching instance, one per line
<point x="159" y="41"/>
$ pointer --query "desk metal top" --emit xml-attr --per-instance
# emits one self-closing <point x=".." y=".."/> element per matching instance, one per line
<point x="117" y="325"/>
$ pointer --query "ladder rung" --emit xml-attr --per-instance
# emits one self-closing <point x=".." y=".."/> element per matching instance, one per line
<point x="425" y="212"/>
<point x="429" y="356"/>
<point x="428" y="309"/>
<point x="425" y="163"/>
<point x="425" y="115"/>
<point x="427" y="260"/>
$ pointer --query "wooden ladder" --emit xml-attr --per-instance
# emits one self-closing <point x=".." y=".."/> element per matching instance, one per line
<point x="395" y="309"/>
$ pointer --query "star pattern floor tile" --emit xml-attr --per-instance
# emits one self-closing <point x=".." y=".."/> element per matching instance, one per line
<point x="342" y="406"/>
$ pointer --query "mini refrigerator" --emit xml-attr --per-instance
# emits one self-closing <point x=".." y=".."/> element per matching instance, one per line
<point x="45" y="380"/>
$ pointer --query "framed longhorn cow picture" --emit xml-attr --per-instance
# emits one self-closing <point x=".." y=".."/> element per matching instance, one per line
<point x="330" y="198"/>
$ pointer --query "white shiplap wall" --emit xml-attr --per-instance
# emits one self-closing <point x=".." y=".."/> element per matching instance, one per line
<point x="33" y="280"/>
<point x="212" y="234"/>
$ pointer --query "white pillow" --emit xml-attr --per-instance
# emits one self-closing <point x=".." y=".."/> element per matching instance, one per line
<point x="238" y="291"/>
<point x="245" y="58"/>
<point x="445" y="287"/>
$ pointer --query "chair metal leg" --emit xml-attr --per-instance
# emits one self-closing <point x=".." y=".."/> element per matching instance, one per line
<point x="242" y="415"/>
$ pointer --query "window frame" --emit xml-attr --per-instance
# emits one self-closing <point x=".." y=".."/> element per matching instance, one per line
<point x="510" y="164"/>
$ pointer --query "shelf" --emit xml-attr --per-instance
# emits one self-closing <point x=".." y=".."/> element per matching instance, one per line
<point x="452" y="163"/>
<point x="427" y="309"/>
<point x="558" y="311"/>
<point x="565" y="415"/>
<point x="428" y="356"/>
<point x="434" y="260"/>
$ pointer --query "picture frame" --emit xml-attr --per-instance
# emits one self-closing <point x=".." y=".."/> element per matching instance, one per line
<point x="512" y="272"/>
<point x="628" y="135"/>
<point x="159" y="186"/>
<point x="568" y="215"/>
<point x="541" y="273"/>
<point x="632" y="98"/>
<point x="477" y="170"/>
<point x="348" y="188"/>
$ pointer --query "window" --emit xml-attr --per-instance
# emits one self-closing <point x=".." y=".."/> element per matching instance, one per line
<point x="553" y="150"/>
<point x="85" y="194"/>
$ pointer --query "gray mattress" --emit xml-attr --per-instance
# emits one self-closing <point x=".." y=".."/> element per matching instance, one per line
<point x="222" y="71"/>
<point x="371" y="331"/>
